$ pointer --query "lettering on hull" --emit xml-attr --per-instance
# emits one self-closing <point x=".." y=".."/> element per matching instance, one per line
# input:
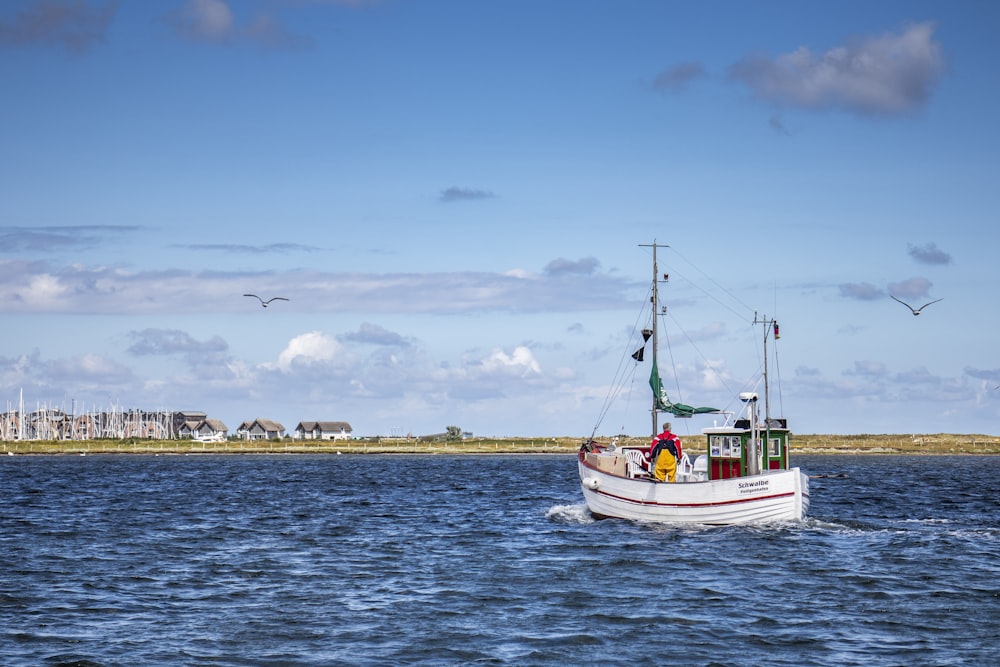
<point x="754" y="486"/>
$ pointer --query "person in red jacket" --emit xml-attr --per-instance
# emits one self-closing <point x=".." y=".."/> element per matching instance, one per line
<point x="664" y="453"/>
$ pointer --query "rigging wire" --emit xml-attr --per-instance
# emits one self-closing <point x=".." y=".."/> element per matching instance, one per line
<point x="628" y="396"/>
<point x="629" y="370"/>
<point x="758" y="373"/>
<point x="777" y="366"/>
<point x="731" y="406"/>
<point x="618" y="384"/>
<point x="714" y="282"/>
<point x="777" y="373"/>
<point x="701" y="355"/>
<point x="624" y="378"/>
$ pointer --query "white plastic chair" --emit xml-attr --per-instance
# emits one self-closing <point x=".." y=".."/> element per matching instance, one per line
<point x="684" y="466"/>
<point x="699" y="472"/>
<point x="635" y="464"/>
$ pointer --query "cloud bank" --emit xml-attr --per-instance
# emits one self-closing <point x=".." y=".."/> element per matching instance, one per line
<point x="565" y="286"/>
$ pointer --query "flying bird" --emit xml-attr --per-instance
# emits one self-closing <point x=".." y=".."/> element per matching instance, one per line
<point x="916" y="311"/>
<point x="264" y="303"/>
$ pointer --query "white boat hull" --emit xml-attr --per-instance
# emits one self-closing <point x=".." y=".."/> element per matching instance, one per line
<point x="777" y="495"/>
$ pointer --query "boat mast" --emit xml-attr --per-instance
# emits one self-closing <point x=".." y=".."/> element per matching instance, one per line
<point x="767" y="393"/>
<point x="755" y="464"/>
<point x="655" y="299"/>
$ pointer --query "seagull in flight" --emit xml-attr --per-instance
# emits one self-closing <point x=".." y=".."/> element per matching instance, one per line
<point x="916" y="311"/>
<point x="264" y="303"/>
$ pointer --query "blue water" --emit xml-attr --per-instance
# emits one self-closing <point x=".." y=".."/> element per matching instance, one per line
<point x="483" y="560"/>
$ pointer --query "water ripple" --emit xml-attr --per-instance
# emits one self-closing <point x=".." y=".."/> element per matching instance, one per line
<point x="303" y="560"/>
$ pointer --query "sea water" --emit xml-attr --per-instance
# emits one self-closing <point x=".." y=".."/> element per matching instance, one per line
<point x="483" y="560"/>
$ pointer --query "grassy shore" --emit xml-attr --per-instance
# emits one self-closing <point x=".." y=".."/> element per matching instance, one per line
<point x="801" y="444"/>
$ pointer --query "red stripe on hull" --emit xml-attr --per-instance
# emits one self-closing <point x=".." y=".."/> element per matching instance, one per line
<point x="650" y="503"/>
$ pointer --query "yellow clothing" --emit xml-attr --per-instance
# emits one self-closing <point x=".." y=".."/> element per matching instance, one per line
<point x="666" y="467"/>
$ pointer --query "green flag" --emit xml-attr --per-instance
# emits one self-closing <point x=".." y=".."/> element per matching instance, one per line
<point x="664" y="404"/>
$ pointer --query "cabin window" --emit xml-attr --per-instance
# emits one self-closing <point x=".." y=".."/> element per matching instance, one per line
<point x="725" y="446"/>
<point x="775" y="448"/>
<point x="725" y="454"/>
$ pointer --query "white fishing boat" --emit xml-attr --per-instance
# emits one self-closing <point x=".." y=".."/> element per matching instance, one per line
<point x="741" y="475"/>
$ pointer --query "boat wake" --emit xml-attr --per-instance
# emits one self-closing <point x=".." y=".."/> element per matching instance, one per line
<point x="570" y="514"/>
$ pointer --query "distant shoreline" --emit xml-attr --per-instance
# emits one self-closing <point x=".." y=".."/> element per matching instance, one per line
<point x="940" y="444"/>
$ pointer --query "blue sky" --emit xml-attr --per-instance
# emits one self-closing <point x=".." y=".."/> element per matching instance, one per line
<point x="453" y="195"/>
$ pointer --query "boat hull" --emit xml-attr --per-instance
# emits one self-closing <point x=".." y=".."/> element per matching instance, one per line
<point x="777" y="495"/>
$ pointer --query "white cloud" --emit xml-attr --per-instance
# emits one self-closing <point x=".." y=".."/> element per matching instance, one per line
<point x="214" y="21"/>
<point x="308" y="348"/>
<point x="889" y="74"/>
<point x="206" y="19"/>
<point x="911" y="287"/>
<point x="713" y="374"/>
<point x="520" y="274"/>
<point x="867" y="368"/>
<point x="861" y="291"/>
<point x="454" y="194"/>
<point x="520" y="362"/>
<point x="677" y="77"/>
<point x="72" y="24"/>
<point x="929" y="254"/>
<point x="562" y="266"/>
<point x="44" y="290"/>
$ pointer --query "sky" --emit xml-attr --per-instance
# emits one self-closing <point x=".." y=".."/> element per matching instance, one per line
<point x="457" y="198"/>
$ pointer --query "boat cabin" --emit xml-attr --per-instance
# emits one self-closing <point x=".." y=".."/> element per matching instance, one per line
<point x="730" y="453"/>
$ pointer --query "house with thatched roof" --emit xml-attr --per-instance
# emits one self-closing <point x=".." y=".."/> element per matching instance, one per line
<point x="322" y="430"/>
<point x="199" y="426"/>
<point x="260" y="429"/>
<point x="207" y="428"/>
